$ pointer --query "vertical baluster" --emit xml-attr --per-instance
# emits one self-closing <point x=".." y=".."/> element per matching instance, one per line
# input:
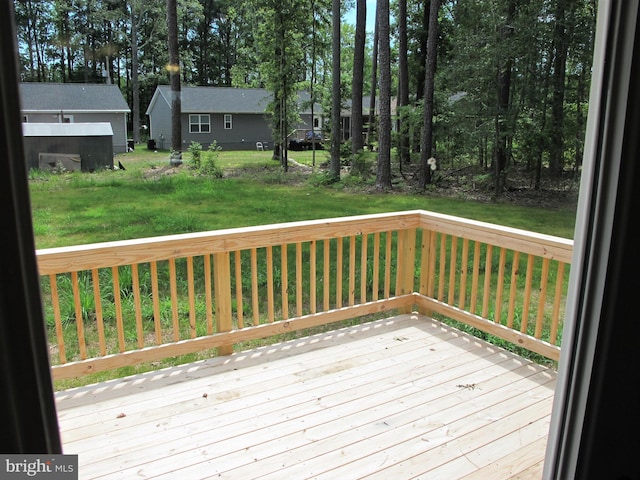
<point x="135" y="280"/>
<point x="513" y="289"/>
<point x="207" y="292"/>
<point x="326" y="275"/>
<point x="312" y="277"/>
<point x="284" y="276"/>
<point x="352" y="270"/>
<point x="79" y="320"/>
<point x="376" y="266"/>
<point x="192" y="298"/>
<point x="173" y="284"/>
<point x="425" y="267"/>
<point x="255" y="305"/>
<point x="544" y="282"/>
<point x="55" y="303"/>
<point x="553" y="336"/>
<point x="239" y="293"/>
<point x="453" y="257"/>
<point x="387" y="266"/>
<point x="115" y="274"/>
<point x="487" y="281"/>
<point x="500" y="285"/>
<point x="442" y="267"/>
<point x="299" y="279"/>
<point x="270" y="294"/>
<point x="98" y="303"/>
<point x="156" y="302"/>
<point x="339" y="252"/>
<point x="475" y="278"/>
<point x="364" y="256"/>
<point x="463" y="274"/>
<point x="527" y="294"/>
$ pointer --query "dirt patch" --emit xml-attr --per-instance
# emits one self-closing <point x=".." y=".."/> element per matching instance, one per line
<point x="158" y="171"/>
<point x="469" y="183"/>
<point x="477" y="185"/>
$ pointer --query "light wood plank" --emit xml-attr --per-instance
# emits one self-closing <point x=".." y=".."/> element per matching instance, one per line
<point x="388" y="398"/>
<point x="82" y="345"/>
<point x="99" y="319"/>
<point x="520" y="464"/>
<point x="55" y="303"/>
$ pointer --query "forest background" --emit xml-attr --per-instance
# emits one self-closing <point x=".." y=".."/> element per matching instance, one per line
<point x="502" y="88"/>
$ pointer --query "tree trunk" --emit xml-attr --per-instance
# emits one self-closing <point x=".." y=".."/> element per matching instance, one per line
<point x="284" y="128"/>
<point x="429" y="87"/>
<point x="537" y="178"/>
<point x="31" y="35"/>
<point x="383" y="177"/>
<point x="403" y="84"/>
<point x="174" y="76"/>
<point x="422" y="51"/>
<point x="135" y="82"/>
<point x="357" y="142"/>
<point x="561" y="45"/>
<point x="374" y="84"/>
<point x="334" y="163"/>
<point x="313" y="83"/>
<point x="501" y="147"/>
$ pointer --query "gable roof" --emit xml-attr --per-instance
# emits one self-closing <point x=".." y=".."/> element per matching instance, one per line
<point x="71" y="97"/>
<point x="217" y="99"/>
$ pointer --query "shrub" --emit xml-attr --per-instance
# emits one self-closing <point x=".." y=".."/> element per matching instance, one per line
<point x="210" y="165"/>
<point x="195" y="149"/>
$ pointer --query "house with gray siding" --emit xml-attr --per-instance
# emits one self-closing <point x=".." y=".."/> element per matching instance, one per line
<point x="235" y="118"/>
<point x="77" y="103"/>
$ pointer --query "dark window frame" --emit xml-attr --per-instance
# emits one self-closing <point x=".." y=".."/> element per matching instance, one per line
<point x="197" y="126"/>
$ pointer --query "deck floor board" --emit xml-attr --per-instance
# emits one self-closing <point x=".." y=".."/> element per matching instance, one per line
<point x="403" y="397"/>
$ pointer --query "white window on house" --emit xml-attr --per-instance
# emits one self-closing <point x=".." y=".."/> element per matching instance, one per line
<point x="316" y="122"/>
<point x="228" y="122"/>
<point x="199" y="123"/>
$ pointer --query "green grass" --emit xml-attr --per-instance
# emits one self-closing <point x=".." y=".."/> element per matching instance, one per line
<point x="144" y="201"/>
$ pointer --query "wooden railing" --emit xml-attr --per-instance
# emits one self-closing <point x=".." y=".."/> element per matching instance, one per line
<point x="116" y="304"/>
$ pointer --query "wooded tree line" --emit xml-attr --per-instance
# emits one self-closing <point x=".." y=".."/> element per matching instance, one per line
<point x="487" y="82"/>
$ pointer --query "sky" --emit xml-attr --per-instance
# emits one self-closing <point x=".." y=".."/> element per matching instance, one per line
<point x="350" y="17"/>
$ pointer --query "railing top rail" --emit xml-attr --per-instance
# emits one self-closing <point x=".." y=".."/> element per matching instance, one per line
<point x="547" y="246"/>
<point x="125" y="252"/>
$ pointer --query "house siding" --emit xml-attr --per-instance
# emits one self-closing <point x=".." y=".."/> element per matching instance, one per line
<point x="246" y="131"/>
<point x="160" y="124"/>
<point x="250" y="122"/>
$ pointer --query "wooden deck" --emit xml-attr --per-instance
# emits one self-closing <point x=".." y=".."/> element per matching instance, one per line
<point x="400" y="398"/>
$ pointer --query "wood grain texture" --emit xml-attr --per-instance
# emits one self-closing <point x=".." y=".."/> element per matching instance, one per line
<point x="402" y="397"/>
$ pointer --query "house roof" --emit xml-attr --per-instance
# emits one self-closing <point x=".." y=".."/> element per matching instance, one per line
<point x="366" y="104"/>
<point x="97" y="129"/>
<point x="218" y="99"/>
<point x="71" y="97"/>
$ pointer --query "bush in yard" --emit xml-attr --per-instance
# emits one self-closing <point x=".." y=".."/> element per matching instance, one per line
<point x="210" y="165"/>
<point x="195" y="149"/>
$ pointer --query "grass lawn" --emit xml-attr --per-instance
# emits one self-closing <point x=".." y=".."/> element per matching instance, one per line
<point x="149" y="198"/>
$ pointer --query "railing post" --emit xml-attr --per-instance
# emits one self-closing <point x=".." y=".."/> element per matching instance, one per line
<point x="427" y="267"/>
<point x="406" y="259"/>
<point x="222" y="292"/>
